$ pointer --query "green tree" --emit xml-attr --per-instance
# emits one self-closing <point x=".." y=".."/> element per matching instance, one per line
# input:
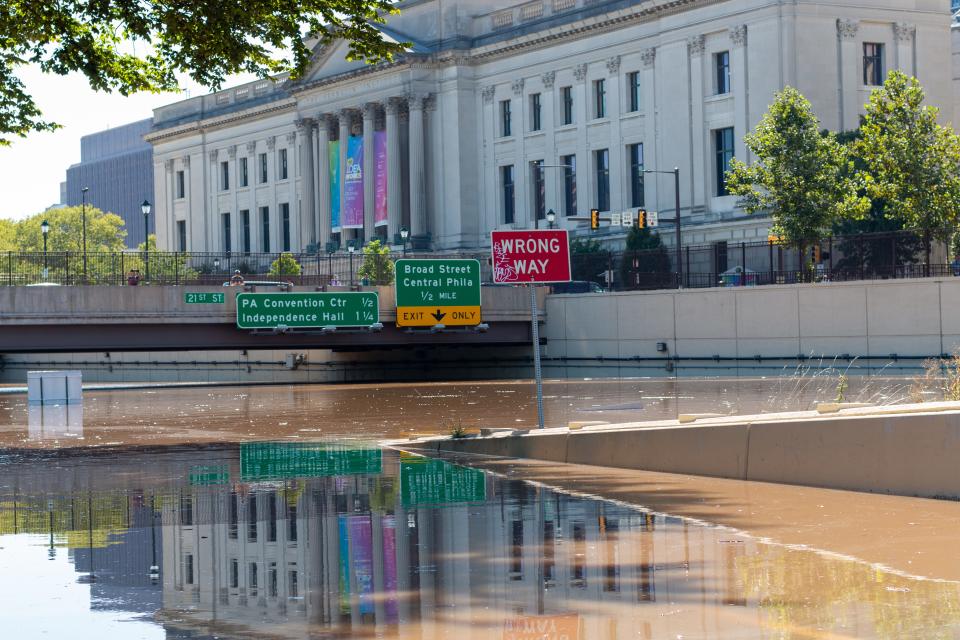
<point x="130" y="46"/>
<point x="284" y="265"/>
<point x="165" y="266"/>
<point x="105" y="231"/>
<point x="8" y="235"/>
<point x="802" y="177"/>
<point x="377" y="267"/>
<point x="645" y="262"/>
<point x="589" y="260"/>
<point x="911" y="163"/>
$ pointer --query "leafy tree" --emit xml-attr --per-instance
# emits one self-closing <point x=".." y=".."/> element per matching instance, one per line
<point x="8" y="235"/>
<point x="911" y="163"/>
<point x="804" y="178"/>
<point x="284" y="265"/>
<point x="645" y="261"/>
<point x="130" y="46"/>
<point x="377" y="267"/>
<point x="165" y="266"/>
<point x="105" y="231"/>
<point x="589" y="260"/>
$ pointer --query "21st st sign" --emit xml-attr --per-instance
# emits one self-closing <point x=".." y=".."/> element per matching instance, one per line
<point x="540" y="256"/>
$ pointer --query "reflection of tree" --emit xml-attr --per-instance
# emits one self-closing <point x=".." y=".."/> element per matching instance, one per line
<point x="71" y="520"/>
<point x="800" y="591"/>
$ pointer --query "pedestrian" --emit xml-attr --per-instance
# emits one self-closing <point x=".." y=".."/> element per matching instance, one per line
<point x="133" y="278"/>
<point x="236" y="280"/>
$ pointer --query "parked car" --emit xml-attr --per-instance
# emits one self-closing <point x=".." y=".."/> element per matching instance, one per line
<point x="263" y="283"/>
<point x="577" y="286"/>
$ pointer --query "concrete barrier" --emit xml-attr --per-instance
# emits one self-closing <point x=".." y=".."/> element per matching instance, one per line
<point x="907" y="450"/>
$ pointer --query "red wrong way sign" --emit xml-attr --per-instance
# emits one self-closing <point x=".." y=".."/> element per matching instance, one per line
<point x="531" y="256"/>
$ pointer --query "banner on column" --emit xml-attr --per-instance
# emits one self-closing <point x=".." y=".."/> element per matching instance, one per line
<point x="334" y="151"/>
<point x="380" y="177"/>
<point x="353" y="185"/>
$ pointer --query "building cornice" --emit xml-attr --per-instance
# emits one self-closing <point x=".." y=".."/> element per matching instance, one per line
<point x="218" y="122"/>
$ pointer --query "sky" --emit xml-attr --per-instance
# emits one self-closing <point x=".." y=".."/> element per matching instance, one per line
<point x="32" y="168"/>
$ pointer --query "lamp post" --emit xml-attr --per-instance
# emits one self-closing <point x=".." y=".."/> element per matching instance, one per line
<point x="351" y="247"/>
<point x="83" y="216"/>
<point x="45" y="229"/>
<point x="216" y="267"/>
<point x="404" y="234"/>
<point x="145" y="208"/>
<point x="675" y="221"/>
<point x="551" y="218"/>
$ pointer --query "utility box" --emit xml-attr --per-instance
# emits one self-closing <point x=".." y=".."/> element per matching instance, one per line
<point x="54" y="387"/>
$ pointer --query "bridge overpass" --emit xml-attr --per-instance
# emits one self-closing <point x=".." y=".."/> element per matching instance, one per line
<point x="73" y="319"/>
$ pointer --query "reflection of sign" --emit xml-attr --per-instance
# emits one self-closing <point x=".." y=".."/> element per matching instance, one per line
<point x="431" y="292"/>
<point x="203" y="298"/>
<point x="209" y="475"/>
<point x="307" y="310"/>
<point x="560" y="627"/>
<point x="531" y="256"/>
<point x="284" y="460"/>
<point x="433" y="482"/>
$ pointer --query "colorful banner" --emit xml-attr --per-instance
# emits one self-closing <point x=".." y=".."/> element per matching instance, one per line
<point x="353" y="185"/>
<point x="344" y="590"/>
<point x="334" y="150"/>
<point x="390" y="567"/>
<point x="380" y="177"/>
<point x="361" y="556"/>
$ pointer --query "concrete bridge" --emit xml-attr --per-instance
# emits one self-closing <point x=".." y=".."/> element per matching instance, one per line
<point x="104" y="318"/>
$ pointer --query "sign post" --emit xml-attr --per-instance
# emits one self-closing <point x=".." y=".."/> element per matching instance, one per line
<point x="438" y="292"/>
<point x="532" y="258"/>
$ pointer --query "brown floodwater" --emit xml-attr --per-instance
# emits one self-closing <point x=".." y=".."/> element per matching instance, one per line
<point x="270" y="512"/>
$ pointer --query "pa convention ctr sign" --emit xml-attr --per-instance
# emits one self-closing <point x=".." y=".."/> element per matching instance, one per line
<point x="432" y="292"/>
<point x="538" y="256"/>
<point x="307" y="310"/>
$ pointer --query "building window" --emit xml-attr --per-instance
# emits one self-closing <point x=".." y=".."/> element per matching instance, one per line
<point x="272" y="580"/>
<point x="265" y="228"/>
<point x="263" y="168"/>
<point x="188" y="568"/>
<point x="291" y="524"/>
<point x="872" y="64"/>
<point x="721" y="62"/>
<point x="224" y="176"/>
<point x="539" y="189"/>
<point x="226" y="232"/>
<point x="509" y="206"/>
<point x="600" y="98"/>
<point x="636" y="174"/>
<point x="252" y="518"/>
<point x="633" y="90"/>
<point x="285" y="219"/>
<point x="253" y="580"/>
<point x="181" y="185"/>
<point x="182" y="235"/>
<point x="294" y="584"/>
<point x="569" y="184"/>
<point x="535" y="112"/>
<point x="272" y="517"/>
<point x="234" y="574"/>
<point x="566" y="100"/>
<point x="505" y="119"/>
<point x="283" y="164"/>
<point x="244" y="178"/>
<point x="245" y="229"/>
<point x="723" y="142"/>
<point x="602" y="159"/>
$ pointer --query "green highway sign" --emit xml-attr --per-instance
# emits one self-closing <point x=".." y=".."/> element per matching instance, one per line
<point x="432" y="292"/>
<point x="203" y="298"/>
<point x="261" y="461"/>
<point x="425" y="481"/>
<point x="307" y="310"/>
<point x="209" y="475"/>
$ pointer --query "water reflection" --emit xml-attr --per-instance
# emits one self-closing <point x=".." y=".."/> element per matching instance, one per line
<point x="54" y="421"/>
<point x="296" y="540"/>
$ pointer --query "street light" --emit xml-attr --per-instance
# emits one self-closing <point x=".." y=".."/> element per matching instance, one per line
<point x="551" y="218"/>
<point x="83" y="215"/>
<point x="351" y="247"/>
<point x="404" y="234"/>
<point x="676" y="220"/>
<point x="145" y="207"/>
<point x="45" y="229"/>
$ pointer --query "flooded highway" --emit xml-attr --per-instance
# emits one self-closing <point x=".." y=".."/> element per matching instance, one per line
<point x="271" y="513"/>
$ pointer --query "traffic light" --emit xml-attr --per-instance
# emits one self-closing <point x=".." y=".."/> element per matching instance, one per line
<point x="594" y="219"/>
<point x="641" y="218"/>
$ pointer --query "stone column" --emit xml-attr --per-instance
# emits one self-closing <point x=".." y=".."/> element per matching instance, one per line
<point x="323" y="179"/>
<point x="553" y="177"/>
<point x="394" y="188"/>
<point x="586" y="191"/>
<point x="850" y="70"/>
<point x="418" y="200"/>
<point x="904" y="35"/>
<point x="369" y="168"/>
<point x="491" y="205"/>
<point x="345" y="116"/>
<point x="741" y="90"/>
<point x="648" y="89"/>
<point x="700" y="188"/>
<point x="618" y="163"/>
<point x="307" y="184"/>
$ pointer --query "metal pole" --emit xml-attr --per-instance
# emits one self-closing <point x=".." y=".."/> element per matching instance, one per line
<point x="44" y="256"/>
<point x="146" y="245"/>
<point x="676" y="183"/>
<point x="537" y="371"/>
<point x="83" y="215"/>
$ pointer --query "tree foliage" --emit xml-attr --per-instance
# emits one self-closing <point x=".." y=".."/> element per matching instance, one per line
<point x="589" y="260"/>
<point x="284" y="265"/>
<point x="803" y="178"/>
<point x="377" y="267"/>
<point x="105" y="231"/>
<point x="130" y="45"/>
<point x="645" y="256"/>
<point x="911" y="163"/>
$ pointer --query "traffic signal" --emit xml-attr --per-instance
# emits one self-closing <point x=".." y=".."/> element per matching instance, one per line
<point x="594" y="219"/>
<point x="641" y="218"/>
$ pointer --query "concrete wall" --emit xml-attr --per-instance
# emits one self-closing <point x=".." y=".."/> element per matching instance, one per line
<point x="868" y="321"/>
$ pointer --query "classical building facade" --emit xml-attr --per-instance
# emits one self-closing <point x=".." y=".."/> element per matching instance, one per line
<point x="502" y="111"/>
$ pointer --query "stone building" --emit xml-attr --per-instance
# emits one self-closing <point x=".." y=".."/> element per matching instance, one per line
<point x="503" y="110"/>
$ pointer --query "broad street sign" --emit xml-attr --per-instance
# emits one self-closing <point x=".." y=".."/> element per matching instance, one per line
<point x="307" y="310"/>
<point x="432" y="292"/>
<point x="537" y="256"/>
<point x="202" y="297"/>
<point x="425" y="481"/>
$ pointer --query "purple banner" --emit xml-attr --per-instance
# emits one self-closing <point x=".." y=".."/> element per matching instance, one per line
<point x="361" y="553"/>
<point x="380" y="174"/>
<point x="390" y="567"/>
<point x="352" y="214"/>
